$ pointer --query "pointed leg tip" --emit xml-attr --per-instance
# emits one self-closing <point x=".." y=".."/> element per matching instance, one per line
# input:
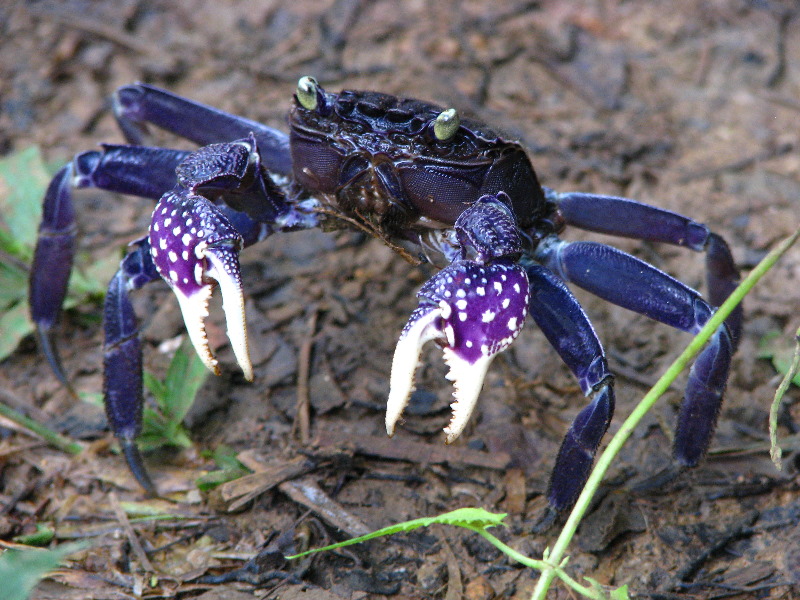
<point x="136" y="465"/>
<point x="48" y="348"/>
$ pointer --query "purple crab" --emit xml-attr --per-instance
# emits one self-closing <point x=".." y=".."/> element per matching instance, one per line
<point x="427" y="183"/>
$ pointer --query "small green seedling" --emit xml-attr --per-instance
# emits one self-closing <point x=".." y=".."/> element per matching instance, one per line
<point x="230" y="468"/>
<point x="22" y="569"/>
<point x="162" y="425"/>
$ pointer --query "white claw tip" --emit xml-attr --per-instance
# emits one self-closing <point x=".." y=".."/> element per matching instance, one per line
<point x="227" y="276"/>
<point x="195" y="310"/>
<point x="404" y="364"/>
<point x="467" y="383"/>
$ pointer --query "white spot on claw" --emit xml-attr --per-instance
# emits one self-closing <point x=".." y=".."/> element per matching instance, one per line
<point x="516" y="287"/>
<point x="512" y="323"/>
<point x="498" y="286"/>
<point x="488" y="316"/>
<point x="461" y="304"/>
<point x="461" y="293"/>
<point x="481" y="291"/>
<point x="172" y="256"/>
<point x="462" y="316"/>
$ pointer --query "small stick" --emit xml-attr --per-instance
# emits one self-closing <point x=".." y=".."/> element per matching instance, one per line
<point x="302" y="422"/>
<point x="130" y="533"/>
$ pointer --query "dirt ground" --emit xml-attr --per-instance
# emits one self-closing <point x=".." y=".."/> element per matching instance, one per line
<point x="692" y="106"/>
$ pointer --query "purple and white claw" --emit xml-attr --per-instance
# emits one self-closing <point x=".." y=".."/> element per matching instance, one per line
<point x="474" y="312"/>
<point x="194" y="245"/>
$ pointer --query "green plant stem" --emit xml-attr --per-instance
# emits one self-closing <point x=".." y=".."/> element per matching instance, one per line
<point x="51" y="437"/>
<point x="775" y="450"/>
<point x="539" y="565"/>
<point x="625" y="431"/>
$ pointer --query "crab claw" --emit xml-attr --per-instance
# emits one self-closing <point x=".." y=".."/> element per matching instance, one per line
<point x="474" y="311"/>
<point x="194" y="245"/>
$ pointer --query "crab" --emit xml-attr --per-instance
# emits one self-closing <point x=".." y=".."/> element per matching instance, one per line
<point x="434" y="187"/>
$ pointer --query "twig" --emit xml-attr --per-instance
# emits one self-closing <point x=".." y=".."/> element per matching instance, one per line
<point x="302" y="423"/>
<point x="738" y="165"/>
<point x="89" y="25"/>
<point x="130" y="533"/>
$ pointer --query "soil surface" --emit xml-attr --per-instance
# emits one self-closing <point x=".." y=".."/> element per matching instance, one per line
<point x="692" y="106"/>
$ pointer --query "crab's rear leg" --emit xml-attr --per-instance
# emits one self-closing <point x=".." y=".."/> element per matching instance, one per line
<point x="562" y="320"/>
<point x="631" y="283"/>
<point x="134" y="170"/>
<point x="139" y="104"/>
<point x="628" y="218"/>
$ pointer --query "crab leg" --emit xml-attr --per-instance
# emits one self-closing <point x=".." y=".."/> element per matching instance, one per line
<point x="633" y="284"/>
<point x="628" y="218"/>
<point x="122" y="357"/>
<point x="562" y="320"/>
<point x="132" y="170"/>
<point x="138" y="104"/>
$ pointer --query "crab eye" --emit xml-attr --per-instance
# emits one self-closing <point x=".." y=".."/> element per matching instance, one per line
<point x="307" y="92"/>
<point x="446" y="124"/>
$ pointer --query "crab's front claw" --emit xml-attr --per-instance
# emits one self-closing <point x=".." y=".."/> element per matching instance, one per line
<point x="474" y="311"/>
<point x="194" y="246"/>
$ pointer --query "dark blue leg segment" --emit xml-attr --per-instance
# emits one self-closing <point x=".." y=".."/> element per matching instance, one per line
<point x="122" y="357"/>
<point x="562" y="320"/>
<point x="628" y="218"/>
<point x="132" y="170"/>
<point x="631" y="283"/>
<point x="136" y="105"/>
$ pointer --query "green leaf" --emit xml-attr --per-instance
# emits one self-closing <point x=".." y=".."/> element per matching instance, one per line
<point x="43" y="535"/>
<point x="15" y="324"/>
<point x="185" y="377"/>
<point x="174" y="396"/>
<point x="13" y="284"/>
<point x="779" y="349"/>
<point x="23" y="180"/>
<point x="620" y="593"/>
<point x="21" y="570"/>
<point x="476" y="519"/>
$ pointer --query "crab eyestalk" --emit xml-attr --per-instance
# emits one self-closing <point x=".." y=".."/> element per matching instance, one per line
<point x="474" y="312"/>
<point x="194" y="246"/>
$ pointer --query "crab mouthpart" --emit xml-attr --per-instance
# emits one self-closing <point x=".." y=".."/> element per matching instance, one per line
<point x="474" y="311"/>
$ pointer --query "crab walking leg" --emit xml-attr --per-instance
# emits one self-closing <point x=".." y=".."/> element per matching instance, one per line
<point x="139" y="104"/>
<point x="633" y="284"/>
<point x="562" y="320"/>
<point x="629" y="218"/>
<point x="139" y="171"/>
<point x="122" y="357"/>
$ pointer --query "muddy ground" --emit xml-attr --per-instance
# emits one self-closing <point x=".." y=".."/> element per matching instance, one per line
<point x="692" y="106"/>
